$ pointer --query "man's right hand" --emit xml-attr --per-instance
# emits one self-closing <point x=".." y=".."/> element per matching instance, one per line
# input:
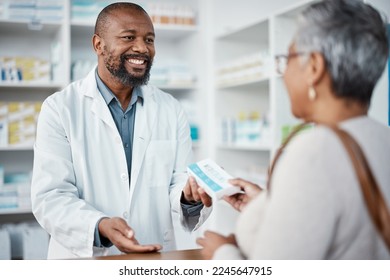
<point x="122" y="236"/>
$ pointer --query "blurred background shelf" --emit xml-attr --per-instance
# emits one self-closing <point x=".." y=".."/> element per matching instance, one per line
<point x="219" y="65"/>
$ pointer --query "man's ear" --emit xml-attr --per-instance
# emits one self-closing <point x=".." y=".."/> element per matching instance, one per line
<point x="98" y="44"/>
<point x="316" y="68"/>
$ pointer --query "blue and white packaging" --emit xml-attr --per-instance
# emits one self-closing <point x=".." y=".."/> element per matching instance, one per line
<point x="212" y="178"/>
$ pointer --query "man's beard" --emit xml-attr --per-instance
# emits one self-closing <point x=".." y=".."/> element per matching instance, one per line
<point x="121" y="74"/>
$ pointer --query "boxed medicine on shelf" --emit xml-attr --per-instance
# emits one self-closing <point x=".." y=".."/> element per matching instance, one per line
<point x="244" y="69"/>
<point x="32" y="10"/>
<point x="26" y="69"/>
<point x="171" y="14"/>
<point x="18" y="123"/>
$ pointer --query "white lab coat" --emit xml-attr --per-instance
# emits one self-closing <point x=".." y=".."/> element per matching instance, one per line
<point x="80" y="171"/>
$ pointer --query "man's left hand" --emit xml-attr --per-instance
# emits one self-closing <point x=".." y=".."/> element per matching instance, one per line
<point x="193" y="193"/>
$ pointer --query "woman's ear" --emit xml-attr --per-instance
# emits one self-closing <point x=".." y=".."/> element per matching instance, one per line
<point x="316" y="68"/>
<point x="97" y="43"/>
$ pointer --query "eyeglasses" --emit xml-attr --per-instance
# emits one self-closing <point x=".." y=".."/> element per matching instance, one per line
<point x="281" y="61"/>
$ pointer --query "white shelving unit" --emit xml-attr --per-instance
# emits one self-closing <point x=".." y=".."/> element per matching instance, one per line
<point x="15" y="211"/>
<point x="269" y="32"/>
<point x="241" y="96"/>
<point x="265" y="93"/>
<point x="22" y="38"/>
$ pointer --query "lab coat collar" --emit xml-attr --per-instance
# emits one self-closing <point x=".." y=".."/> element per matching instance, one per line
<point x="99" y="107"/>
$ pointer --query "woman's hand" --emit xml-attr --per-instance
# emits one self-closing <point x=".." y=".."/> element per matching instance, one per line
<point x="240" y="200"/>
<point x="212" y="241"/>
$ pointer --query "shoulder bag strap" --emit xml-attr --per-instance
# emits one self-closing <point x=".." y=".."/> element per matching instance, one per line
<point x="279" y="152"/>
<point x="373" y="197"/>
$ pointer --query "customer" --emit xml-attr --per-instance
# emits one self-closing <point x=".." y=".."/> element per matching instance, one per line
<point x="315" y="207"/>
<point x="111" y="153"/>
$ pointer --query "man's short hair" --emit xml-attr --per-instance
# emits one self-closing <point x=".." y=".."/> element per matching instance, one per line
<point x="104" y="16"/>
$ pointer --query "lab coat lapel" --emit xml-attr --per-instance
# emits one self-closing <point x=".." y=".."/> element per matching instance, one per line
<point x="99" y="107"/>
<point x="144" y="122"/>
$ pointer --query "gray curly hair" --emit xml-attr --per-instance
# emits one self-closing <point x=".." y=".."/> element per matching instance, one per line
<point x="352" y="37"/>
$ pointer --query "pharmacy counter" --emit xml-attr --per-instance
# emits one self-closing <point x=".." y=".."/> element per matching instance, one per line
<point x="172" y="255"/>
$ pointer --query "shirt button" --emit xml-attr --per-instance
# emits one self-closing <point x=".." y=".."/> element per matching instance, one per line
<point x="118" y="140"/>
<point x="125" y="215"/>
<point x="124" y="117"/>
<point x="124" y="176"/>
<point x="126" y="145"/>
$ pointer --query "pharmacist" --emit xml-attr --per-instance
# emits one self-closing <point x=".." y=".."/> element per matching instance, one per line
<point x="111" y="153"/>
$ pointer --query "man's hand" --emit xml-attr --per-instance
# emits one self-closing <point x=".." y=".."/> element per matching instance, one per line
<point x="122" y="236"/>
<point x="193" y="193"/>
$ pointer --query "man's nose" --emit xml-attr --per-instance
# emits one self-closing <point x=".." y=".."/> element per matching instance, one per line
<point x="139" y="46"/>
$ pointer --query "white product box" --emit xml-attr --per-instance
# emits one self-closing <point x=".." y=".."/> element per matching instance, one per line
<point x="212" y="178"/>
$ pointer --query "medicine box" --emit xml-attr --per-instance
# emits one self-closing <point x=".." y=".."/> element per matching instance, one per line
<point x="212" y="178"/>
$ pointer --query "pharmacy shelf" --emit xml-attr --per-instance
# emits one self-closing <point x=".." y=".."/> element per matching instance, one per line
<point x="172" y="32"/>
<point x="177" y="87"/>
<point x="24" y="28"/>
<point x="10" y="211"/>
<point x="254" y="33"/>
<point x="243" y="52"/>
<point x="82" y="23"/>
<point x="165" y="32"/>
<point x="242" y="147"/>
<point x="16" y="148"/>
<point x="250" y="83"/>
<point x="31" y="85"/>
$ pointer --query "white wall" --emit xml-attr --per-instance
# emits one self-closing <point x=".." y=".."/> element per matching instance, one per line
<point x="231" y="14"/>
<point x="380" y="100"/>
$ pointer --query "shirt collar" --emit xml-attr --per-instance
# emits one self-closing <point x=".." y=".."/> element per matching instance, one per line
<point x="108" y="95"/>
